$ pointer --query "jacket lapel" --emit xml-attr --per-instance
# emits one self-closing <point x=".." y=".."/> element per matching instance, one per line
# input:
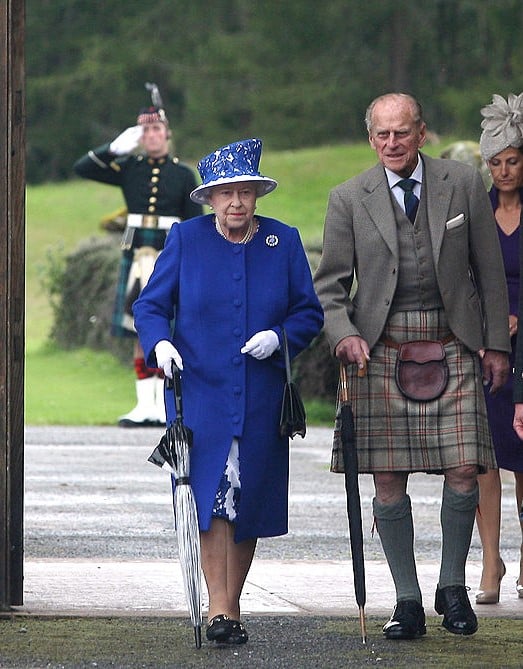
<point x="439" y="194"/>
<point x="376" y="199"/>
<point x="377" y="202"/>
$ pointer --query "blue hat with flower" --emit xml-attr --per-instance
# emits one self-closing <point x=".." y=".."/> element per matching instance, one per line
<point x="232" y="163"/>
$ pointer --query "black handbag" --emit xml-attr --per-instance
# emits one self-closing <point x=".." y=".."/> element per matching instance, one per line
<point x="293" y="417"/>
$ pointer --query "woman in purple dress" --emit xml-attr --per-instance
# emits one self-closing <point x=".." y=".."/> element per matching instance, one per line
<point x="501" y="147"/>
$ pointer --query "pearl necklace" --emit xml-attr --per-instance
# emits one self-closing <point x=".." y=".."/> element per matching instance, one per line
<point x="251" y="231"/>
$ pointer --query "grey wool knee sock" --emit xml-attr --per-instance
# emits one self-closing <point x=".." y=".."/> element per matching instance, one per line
<point x="458" y="511"/>
<point x="396" y="530"/>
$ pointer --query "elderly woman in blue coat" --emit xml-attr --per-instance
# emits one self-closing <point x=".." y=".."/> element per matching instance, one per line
<point x="231" y="281"/>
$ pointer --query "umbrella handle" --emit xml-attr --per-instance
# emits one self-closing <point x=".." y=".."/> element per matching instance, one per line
<point x="177" y="386"/>
<point x="344" y="384"/>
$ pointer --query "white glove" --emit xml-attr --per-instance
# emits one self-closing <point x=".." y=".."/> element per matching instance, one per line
<point x="262" y="344"/>
<point x="127" y="141"/>
<point x="165" y="354"/>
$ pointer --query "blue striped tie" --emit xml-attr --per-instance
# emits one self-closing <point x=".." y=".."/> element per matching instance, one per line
<point x="410" y="200"/>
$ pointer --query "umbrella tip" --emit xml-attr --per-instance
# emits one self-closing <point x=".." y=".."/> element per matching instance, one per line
<point x="363" y="626"/>
<point x="198" y="636"/>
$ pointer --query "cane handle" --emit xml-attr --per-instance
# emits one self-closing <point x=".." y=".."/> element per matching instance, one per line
<point x="362" y="370"/>
<point x="344" y="383"/>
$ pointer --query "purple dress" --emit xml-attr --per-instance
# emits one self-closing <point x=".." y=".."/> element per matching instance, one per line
<point x="500" y="408"/>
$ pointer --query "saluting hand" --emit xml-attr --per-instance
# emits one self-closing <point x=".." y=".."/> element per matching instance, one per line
<point x="127" y="141"/>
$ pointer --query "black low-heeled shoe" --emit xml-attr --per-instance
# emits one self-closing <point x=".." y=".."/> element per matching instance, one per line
<point x="219" y="628"/>
<point x="406" y="622"/>
<point x="458" y="616"/>
<point x="238" y="633"/>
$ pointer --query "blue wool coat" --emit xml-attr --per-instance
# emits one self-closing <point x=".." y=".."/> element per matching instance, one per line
<point x="221" y="294"/>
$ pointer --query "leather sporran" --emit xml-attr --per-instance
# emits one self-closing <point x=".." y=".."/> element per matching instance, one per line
<point x="422" y="372"/>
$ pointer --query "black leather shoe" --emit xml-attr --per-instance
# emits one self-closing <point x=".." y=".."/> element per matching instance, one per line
<point x="406" y="622"/>
<point x="219" y="628"/>
<point x="238" y="634"/>
<point x="458" y="616"/>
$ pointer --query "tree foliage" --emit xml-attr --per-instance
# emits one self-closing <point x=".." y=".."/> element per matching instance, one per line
<point x="294" y="72"/>
<point x="81" y="288"/>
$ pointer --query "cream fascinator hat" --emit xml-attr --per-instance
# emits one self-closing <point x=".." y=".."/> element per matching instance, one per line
<point x="502" y="125"/>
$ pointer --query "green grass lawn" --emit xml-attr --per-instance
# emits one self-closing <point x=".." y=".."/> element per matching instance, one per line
<point x="278" y="641"/>
<point x="88" y="387"/>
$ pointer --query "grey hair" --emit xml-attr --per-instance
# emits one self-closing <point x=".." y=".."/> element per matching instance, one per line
<point x="417" y="109"/>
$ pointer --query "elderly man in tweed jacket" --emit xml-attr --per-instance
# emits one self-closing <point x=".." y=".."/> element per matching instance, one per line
<point x="419" y="236"/>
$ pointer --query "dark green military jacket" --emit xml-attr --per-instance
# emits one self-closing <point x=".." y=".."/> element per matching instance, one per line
<point x="150" y="186"/>
<point x="153" y="186"/>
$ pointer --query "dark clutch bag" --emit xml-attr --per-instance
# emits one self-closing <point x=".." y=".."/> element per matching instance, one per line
<point x="293" y="417"/>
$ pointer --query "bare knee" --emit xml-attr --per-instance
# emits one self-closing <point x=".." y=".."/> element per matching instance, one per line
<point x="462" y="479"/>
<point x="390" y="487"/>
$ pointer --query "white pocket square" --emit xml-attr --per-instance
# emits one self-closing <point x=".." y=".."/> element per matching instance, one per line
<point x="454" y="222"/>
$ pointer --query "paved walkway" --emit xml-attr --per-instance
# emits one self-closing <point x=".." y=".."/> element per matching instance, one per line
<point x="104" y="587"/>
<point x="99" y="538"/>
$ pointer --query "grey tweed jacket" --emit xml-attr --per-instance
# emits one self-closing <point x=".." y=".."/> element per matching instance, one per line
<point x="357" y="275"/>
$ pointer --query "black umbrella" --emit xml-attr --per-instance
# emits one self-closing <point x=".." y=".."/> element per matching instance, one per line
<point x="173" y="453"/>
<point x="350" y="459"/>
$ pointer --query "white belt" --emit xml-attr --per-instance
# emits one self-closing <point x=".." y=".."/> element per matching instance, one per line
<point x="151" y="221"/>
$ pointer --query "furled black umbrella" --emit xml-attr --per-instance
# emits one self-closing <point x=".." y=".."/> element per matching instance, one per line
<point x="173" y="453"/>
<point x="350" y="459"/>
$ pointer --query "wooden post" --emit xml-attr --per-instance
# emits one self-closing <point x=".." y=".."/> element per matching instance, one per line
<point x="12" y="302"/>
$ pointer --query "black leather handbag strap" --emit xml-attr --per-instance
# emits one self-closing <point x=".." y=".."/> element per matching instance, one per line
<point x="286" y="354"/>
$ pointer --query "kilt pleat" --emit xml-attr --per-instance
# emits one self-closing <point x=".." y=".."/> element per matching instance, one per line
<point x="394" y="433"/>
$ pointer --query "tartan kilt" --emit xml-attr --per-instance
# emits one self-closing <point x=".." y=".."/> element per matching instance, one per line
<point x="394" y="433"/>
<point x="122" y="315"/>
